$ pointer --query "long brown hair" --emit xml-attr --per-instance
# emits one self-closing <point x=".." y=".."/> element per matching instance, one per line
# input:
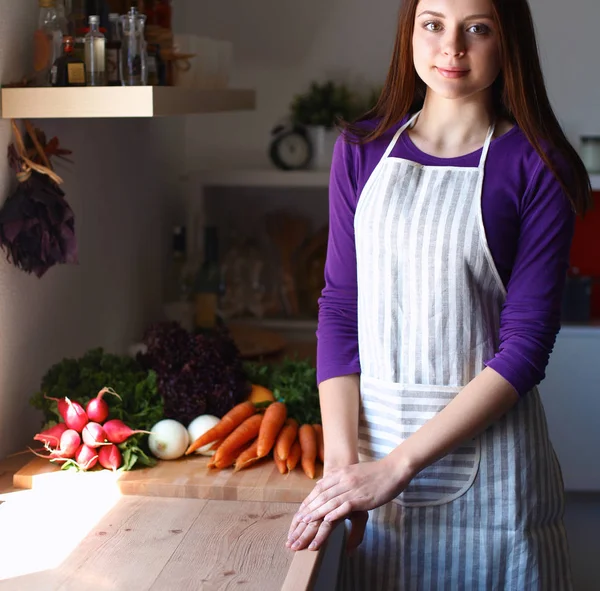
<point x="519" y="94"/>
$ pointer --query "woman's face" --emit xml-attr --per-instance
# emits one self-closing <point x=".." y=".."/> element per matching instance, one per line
<point x="456" y="47"/>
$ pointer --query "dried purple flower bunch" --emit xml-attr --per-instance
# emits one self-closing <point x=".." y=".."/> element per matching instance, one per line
<point x="37" y="226"/>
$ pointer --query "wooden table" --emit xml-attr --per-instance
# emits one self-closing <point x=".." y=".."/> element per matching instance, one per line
<point x="99" y="540"/>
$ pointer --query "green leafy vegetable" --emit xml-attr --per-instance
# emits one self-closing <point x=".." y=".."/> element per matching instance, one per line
<point x="292" y="381"/>
<point x="140" y="407"/>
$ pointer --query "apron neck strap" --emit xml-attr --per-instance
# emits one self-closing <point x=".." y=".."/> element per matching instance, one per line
<point x="402" y="129"/>
<point x="486" y="145"/>
<point x="410" y="123"/>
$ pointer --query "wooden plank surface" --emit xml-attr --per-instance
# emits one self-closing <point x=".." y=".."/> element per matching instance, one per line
<point x="161" y="544"/>
<point x="60" y="539"/>
<point x="185" y="478"/>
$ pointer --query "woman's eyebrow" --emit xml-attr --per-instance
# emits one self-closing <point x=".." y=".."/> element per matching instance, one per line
<point x="469" y="18"/>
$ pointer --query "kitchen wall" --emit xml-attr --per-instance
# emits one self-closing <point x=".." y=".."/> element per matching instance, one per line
<point x="118" y="187"/>
<point x="281" y="46"/>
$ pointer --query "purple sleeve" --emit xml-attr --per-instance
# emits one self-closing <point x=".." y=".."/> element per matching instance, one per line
<point x="530" y="318"/>
<point x="337" y="332"/>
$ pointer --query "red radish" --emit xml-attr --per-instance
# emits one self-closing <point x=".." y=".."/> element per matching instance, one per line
<point x="110" y="457"/>
<point x="62" y="404"/>
<point x="69" y="444"/>
<point x="94" y="435"/>
<point x="97" y="408"/>
<point x="86" y="457"/>
<point x="51" y="436"/>
<point x="75" y="416"/>
<point x="118" y="432"/>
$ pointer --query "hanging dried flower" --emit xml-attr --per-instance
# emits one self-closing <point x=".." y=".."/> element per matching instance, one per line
<point x="37" y="226"/>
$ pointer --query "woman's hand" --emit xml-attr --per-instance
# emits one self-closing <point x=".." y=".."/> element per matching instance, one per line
<point x="313" y="535"/>
<point x="343" y="492"/>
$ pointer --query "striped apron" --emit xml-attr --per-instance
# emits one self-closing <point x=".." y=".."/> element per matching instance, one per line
<point x="488" y="516"/>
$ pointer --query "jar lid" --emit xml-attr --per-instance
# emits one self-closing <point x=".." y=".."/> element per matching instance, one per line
<point x="94" y="19"/>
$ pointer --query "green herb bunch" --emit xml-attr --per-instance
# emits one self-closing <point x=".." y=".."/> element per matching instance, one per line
<point x="292" y="381"/>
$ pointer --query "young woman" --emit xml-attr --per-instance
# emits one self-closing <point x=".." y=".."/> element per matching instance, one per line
<point x="451" y="217"/>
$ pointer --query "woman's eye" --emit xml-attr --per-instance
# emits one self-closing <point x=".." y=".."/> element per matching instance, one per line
<point x="479" y="29"/>
<point x="432" y="26"/>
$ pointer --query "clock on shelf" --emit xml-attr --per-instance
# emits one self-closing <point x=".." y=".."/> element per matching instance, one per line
<point x="290" y="147"/>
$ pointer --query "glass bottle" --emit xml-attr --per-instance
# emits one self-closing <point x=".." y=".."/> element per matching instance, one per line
<point x="95" y="53"/>
<point x="61" y="11"/>
<point x="133" y="50"/>
<point x="47" y="42"/>
<point x="113" y="51"/>
<point x="208" y="282"/>
<point x="68" y="70"/>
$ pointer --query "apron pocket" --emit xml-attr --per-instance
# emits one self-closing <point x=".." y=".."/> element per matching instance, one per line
<point x="390" y="413"/>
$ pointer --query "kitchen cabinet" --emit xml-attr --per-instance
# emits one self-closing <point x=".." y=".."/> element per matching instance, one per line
<point x="571" y="397"/>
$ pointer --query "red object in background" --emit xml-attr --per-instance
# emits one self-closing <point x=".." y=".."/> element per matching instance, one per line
<point x="585" y="251"/>
<point x="162" y="9"/>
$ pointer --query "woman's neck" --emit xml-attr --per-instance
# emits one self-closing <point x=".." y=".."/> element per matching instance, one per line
<point x="450" y="128"/>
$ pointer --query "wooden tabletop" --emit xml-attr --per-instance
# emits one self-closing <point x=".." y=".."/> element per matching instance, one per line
<point x="99" y="540"/>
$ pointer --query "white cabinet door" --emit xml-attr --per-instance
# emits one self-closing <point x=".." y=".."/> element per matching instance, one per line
<point x="571" y="397"/>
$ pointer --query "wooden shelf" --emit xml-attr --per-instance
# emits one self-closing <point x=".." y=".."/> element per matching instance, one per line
<point x="120" y="101"/>
<point x="268" y="177"/>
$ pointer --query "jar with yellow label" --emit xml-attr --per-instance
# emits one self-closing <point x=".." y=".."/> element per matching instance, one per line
<point x="68" y="70"/>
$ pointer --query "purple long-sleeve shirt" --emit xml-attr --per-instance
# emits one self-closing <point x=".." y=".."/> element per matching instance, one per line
<point x="529" y="226"/>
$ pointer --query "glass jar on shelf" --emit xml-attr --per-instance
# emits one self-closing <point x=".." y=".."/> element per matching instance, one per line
<point x="133" y="49"/>
<point x="47" y="42"/>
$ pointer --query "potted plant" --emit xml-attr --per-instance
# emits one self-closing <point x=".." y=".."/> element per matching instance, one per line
<point x="319" y="110"/>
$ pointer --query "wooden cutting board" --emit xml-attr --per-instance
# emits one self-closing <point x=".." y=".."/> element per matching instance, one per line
<point x="184" y="478"/>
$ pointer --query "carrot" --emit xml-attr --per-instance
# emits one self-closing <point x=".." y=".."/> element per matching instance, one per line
<point x="294" y="457"/>
<point x="281" y="464"/>
<point x="235" y="417"/>
<point x="285" y="439"/>
<point x="229" y="459"/>
<point x="320" y="442"/>
<point x="273" y="421"/>
<point x="229" y="450"/>
<point x="248" y="457"/>
<point x="308" y="444"/>
<point x="215" y="445"/>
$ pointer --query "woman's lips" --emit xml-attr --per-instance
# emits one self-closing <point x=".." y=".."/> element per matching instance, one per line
<point x="452" y="72"/>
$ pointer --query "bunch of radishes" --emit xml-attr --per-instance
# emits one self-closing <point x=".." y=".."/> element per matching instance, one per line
<point x="86" y="438"/>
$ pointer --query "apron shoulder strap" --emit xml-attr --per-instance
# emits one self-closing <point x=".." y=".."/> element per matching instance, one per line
<point x="486" y="145"/>
<point x="400" y="131"/>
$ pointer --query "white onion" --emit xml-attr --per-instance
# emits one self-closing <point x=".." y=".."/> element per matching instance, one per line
<point x="198" y="427"/>
<point x="168" y="439"/>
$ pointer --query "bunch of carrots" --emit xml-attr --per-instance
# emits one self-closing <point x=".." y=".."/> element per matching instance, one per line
<point x="245" y="435"/>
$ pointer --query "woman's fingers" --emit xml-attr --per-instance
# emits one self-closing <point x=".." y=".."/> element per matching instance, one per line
<point x="305" y="537"/>
<point x="322" y="485"/>
<point x="330" y="502"/>
<point x="295" y="533"/>
<point x="323" y="532"/>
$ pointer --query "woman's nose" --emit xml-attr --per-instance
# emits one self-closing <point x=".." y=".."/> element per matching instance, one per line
<point x="454" y="45"/>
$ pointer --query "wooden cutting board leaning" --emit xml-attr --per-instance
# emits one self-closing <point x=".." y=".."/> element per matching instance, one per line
<point x="185" y="478"/>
